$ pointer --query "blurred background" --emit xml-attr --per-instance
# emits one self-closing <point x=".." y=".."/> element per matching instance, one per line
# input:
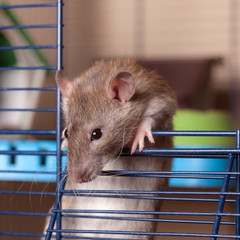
<point x="193" y="44"/>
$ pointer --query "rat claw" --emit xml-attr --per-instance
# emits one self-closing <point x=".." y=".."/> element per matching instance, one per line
<point x="141" y="144"/>
<point x="138" y="141"/>
<point x="150" y="136"/>
<point x="134" y="147"/>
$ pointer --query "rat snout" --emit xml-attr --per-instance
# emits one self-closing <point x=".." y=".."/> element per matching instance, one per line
<point x="83" y="163"/>
<point x="83" y="171"/>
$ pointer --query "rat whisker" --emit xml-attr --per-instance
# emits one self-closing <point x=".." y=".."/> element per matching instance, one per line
<point x="74" y="188"/>
<point x="44" y="190"/>
<point x="50" y="180"/>
<point x="61" y="182"/>
<point x="18" y="189"/>
<point x="30" y="192"/>
<point x="121" y="150"/>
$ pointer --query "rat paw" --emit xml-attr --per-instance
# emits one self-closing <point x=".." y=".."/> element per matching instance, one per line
<point x="144" y="130"/>
<point x="64" y="144"/>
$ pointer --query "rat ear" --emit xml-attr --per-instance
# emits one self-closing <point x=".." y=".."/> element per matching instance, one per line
<point x="63" y="83"/>
<point x="122" y="87"/>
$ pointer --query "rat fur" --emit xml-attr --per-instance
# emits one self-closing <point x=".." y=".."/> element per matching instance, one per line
<point x="124" y="102"/>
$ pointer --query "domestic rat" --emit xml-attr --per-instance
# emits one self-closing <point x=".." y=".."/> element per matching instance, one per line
<point x="115" y="104"/>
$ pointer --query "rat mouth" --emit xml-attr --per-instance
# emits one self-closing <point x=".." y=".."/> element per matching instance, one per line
<point x="84" y="179"/>
<point x="83" y="173"/>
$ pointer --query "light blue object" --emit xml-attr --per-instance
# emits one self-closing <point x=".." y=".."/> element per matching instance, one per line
<point x="42" y="168"/>
<point x="194" y="165"/>
<point x="50" y="162"/>
<point x="38" y="168"/>
<point x="5" y="160"/>
<point x="188" y="119"/>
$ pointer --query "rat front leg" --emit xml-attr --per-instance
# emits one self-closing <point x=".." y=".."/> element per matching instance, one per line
<point x="144" y="130"/>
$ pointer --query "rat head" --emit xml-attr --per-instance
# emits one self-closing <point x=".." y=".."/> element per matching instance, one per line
<point x="97" y="111"/>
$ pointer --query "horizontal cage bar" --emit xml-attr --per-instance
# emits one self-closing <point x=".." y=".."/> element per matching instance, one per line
<point x="149" y="192"/>
<point x="28" y="47"/>
<point x="3" y="6"/>
<point x="158" y="220"/>
<point x="28" y="110"/>
<point x="30" y="132"/>
<point x="28" y="68"/>
<point x="25" y="213"/>
<point x="28" y="26"/>
<point x="175" y="213"/>
<point x="20" y="234"/>
<point x="29" y="89"/>
<point x="196" y="133"/>
<point x="146" y="233"/>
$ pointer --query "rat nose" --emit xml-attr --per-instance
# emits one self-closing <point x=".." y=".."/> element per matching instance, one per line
<point x="82" y="172"/>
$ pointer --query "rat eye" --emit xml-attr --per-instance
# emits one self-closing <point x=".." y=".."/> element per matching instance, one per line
<point x="96" y="134"/>
<point x="65" y="133"/>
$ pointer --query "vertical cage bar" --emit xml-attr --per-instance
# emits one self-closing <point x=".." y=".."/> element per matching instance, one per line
<point x="55" y="213"/>
<point x="59" y="155"/>
<point x="238" y="185"/>
<point x="60" y="183"/>
<point x="59" y="67"/>
<point x="222" y="197"/>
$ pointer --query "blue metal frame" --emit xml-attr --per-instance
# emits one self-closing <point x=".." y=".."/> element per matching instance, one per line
<point x="57" y="131"/>
<point x="238" y="184"/>
<point x="232" y="156"/>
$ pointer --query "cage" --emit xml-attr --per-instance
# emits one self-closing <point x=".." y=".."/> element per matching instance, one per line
<point x="202" y="201"/>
